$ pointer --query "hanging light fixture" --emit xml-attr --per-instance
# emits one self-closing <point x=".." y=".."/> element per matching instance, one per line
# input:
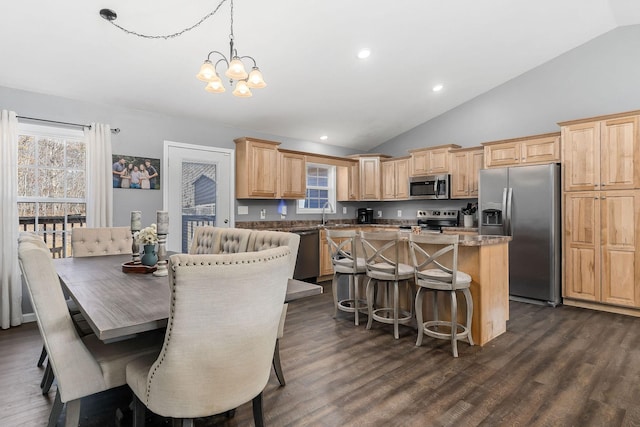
<point x="235" y="71"/>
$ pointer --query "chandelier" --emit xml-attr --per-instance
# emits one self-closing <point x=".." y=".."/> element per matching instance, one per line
<point x="235" y="71"/>
<point x="235" y="67"/>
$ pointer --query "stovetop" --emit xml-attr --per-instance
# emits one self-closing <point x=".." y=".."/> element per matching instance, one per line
<point x="440" y="214"/>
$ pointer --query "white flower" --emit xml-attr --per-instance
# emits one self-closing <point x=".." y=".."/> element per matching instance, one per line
<point x="148" y="235"/>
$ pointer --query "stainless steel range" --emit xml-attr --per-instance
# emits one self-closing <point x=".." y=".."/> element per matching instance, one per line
<point x="436" y="219"/>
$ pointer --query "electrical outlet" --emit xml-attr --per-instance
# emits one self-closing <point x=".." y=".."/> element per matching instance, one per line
<point x="284" y="211"/>
<point x="344" y="210"/>
<point x="399" y="213"/>
<point x="263" y="213"/>
<point x="243" y="210"/>
<point x="379" y="214"/>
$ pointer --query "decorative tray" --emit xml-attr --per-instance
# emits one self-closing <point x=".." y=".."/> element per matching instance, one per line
<point x="137" y="267"/>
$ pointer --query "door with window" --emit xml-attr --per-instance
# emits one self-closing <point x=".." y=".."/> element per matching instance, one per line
<point x="198" y="190"/>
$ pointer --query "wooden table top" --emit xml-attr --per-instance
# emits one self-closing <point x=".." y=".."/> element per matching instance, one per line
<point x="117" y="304"/>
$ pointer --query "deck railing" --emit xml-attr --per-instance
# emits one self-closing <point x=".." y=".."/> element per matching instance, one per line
<point x="55" y="230"/>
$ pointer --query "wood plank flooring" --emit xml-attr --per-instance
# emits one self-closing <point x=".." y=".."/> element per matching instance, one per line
<point x="560" y="366"/>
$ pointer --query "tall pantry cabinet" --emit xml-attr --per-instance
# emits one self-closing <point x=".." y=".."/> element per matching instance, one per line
<point x="601" y="180"/>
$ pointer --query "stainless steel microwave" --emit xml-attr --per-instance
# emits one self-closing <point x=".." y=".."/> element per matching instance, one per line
<point x="429" y="187"/>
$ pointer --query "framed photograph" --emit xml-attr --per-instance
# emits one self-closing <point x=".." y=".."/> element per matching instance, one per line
<point x="135" y="172"/>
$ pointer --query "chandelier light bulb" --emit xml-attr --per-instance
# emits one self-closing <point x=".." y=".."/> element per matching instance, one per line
<point x="236" y="70"/>
<point x="215" y="86"/>
<point x="207" y="72"/>
<point x="242" y="90"/>
<point x="256" y="81"/>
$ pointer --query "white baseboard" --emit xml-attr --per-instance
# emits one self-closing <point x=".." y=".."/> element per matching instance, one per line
<point x="28" y="317"/>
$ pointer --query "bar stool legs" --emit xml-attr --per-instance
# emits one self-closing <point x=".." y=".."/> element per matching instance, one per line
<point x="353" y="303"/>
<point x="456" y="331"/>
<point x="397" y="316"/>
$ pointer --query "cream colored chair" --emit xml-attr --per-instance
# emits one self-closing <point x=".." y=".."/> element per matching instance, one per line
<point x="382" y="255"/>
<point x="82" y="366"/>
<point x="101" y="241"/>
<point x="220" y="337"/>
<point x="219" y="240"/>
<point x="264" y="239"/>
<point x="344" y="251"/>
<point x="216" y="240"/>
<point x="435" y="258"/>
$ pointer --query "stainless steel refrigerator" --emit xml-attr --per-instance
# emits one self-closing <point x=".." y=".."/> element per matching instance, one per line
<point x="524" y="202"/>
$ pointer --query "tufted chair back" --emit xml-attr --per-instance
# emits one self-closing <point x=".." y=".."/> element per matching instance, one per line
<point x="261" y="240"/>
<point x="221" y="334"/>
<point x="217" y="240"/>
<point x="87" y="242"/>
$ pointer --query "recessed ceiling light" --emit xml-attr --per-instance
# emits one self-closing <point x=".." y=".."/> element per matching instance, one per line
<point x="364" y="53"/>
<point x="437" y="88"/>
<point x="324" y="137"/>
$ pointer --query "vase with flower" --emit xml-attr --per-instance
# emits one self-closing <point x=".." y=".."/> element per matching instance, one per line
<point x="148" y="238"/>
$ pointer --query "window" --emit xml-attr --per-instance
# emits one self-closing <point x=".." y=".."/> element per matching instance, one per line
<point x="51" y="183"/>
<point x="321" y="184"/>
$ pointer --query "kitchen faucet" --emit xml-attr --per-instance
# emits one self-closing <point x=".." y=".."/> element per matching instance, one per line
<point x="323" y="208"/>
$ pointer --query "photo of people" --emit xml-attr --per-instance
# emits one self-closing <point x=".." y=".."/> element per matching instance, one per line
<point x="135" y="172"/>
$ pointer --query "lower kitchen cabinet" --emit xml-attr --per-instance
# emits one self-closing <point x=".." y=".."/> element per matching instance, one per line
<point x="602" y="258"/>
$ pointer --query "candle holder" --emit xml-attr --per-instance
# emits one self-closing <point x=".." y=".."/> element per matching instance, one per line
<point x="135" y="249"/>
<point x="162" y="222"/>
<point x="136" y="225"/>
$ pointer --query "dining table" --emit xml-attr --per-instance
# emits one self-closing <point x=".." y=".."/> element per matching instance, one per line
<point x="118" y="305"/>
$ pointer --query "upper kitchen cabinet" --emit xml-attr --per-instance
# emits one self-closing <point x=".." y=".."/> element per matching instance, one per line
<point x="395" y="179"/>
<point x="465" y="169"/>
<point x="601" y="153"/>
<point x="530" y="150"/>
<point x="348" y="182"/>
<point x="430" y="161"/>
<point x="293" y="175"/>
<point x="256" y="168"/>
<point x="370" y="181"/>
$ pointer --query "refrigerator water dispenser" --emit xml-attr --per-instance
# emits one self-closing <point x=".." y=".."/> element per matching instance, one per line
<point x="492" y="217"/>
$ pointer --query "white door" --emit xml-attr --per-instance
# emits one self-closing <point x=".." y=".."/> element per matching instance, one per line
<point x="198" y="190"/>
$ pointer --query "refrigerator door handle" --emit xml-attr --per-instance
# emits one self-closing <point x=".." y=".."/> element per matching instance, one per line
<point x="504" y="212"/>
<point x="509" y="211"/>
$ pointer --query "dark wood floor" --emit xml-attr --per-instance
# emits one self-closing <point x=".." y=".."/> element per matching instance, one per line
<point x="554" y="367"/>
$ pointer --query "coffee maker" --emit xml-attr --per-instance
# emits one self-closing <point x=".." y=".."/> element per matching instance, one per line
<point x="365" y="216"/>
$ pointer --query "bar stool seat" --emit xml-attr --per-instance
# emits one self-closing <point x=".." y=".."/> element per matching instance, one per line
<point x="428" y="250"/>
<point x="383" y="266"/>
<point x="343" y="247"/>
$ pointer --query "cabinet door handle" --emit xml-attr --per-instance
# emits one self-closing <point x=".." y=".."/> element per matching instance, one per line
<point x="603" y="184"/>
<point x="603" y="197"/>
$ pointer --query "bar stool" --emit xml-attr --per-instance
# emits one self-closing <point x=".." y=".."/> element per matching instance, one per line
<point x="429" y="250"/>
<point x="382" y="266"/>
<point x="343" y="247"/>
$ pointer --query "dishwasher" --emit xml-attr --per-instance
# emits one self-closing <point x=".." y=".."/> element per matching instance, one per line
<point x="308" y="262"/>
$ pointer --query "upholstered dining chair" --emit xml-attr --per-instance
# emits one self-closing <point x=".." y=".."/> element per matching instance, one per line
<point x="383" y="265"/>
<point x="435" y="258"/>
<point x="219" y="240"/>
<point x="220" y="336"/>
<point x="100" y="241"/>
<point x="344" y="252"/>
<point x="82" y="366"/>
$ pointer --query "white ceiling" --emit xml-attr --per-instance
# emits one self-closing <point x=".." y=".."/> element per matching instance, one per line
<point x="306" y="51"/>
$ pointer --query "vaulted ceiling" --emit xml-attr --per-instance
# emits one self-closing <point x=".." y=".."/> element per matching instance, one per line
<point x="307" y="52"/>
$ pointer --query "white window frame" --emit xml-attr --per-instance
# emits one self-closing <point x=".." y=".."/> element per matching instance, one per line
<point x="58" y="133"/>
<point x="300" y="209"/>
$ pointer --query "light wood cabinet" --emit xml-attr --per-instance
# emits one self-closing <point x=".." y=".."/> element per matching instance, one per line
<point x="602" y="261"/>
<point x="465" y="169"/>
<point x="601" y="154"/>
<point x="530" y="150"/>
<point x="326" y="267"/>
<point x="293" y="175"/>
<point x="348" y="182"/>
<point x="430" y="161"/>
<point x="256" y="168"/>
<point x="370" y="181"/>
<point x="395" y="179"/>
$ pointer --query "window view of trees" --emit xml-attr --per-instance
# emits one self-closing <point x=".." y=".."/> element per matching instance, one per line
<point x="52" y="185"/>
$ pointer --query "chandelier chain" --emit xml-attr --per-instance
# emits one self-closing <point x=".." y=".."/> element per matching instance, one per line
<point x="181" y="32"/>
